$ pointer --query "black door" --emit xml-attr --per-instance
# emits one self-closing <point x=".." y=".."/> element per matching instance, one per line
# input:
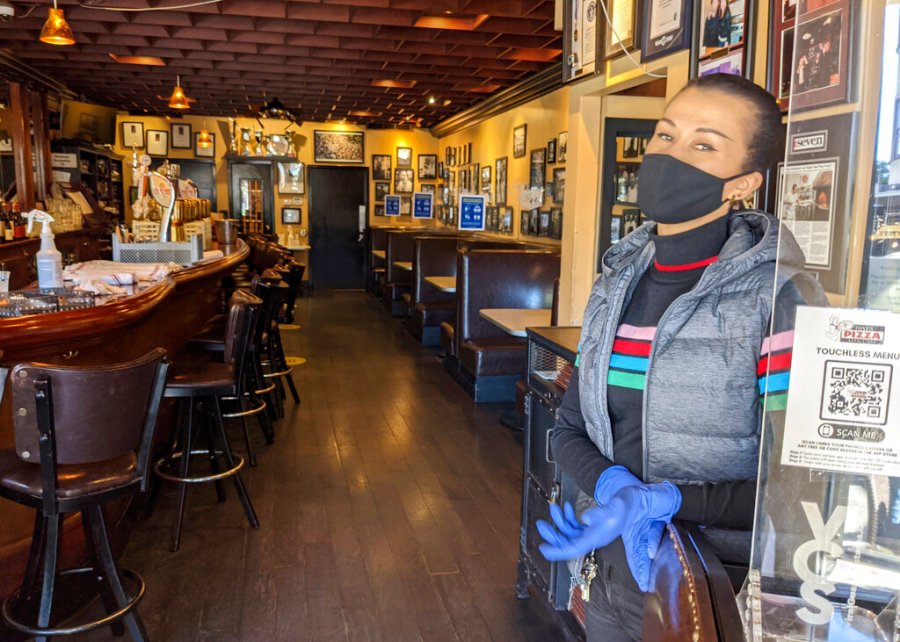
<point x="336" y="195"/>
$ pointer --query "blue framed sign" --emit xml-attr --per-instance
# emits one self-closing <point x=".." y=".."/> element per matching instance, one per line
<point x="423" y="205"/>
<point x="391" y="205"/>
<point x="471" y="212"/>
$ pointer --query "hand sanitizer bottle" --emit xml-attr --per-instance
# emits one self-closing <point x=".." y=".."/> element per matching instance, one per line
<point x="49" y="259"/>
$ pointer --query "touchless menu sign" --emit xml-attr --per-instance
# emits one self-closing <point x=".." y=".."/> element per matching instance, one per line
<point x="392" y="205"/>
<point x="471" y="212"/>
<point x="842" y="404"/>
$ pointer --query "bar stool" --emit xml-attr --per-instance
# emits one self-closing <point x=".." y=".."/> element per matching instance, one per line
<point x="271" y="359"/>
<point x="292" y="274"/>
<point x="194" y="381"/>
<point x="83" y="436"/>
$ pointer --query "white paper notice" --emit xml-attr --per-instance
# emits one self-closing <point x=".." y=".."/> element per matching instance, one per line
<point x="843" y="405"/>
<point x="664" y="17"/>
<point x="589" y="40"/>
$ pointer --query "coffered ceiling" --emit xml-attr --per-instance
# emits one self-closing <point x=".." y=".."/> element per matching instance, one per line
<point x="373" y="62"/>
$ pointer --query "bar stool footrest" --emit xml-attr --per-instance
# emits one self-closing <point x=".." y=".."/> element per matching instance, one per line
<point x="77" y="628"/>
<point x="160" y="465"/>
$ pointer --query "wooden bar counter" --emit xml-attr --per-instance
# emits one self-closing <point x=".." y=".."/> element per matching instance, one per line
<point x="165" y="314"/>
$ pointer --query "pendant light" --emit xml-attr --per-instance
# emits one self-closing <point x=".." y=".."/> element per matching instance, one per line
<point x="56" y="30"/>
<point x="204" y="140"/>
<point x="178" y="100"/>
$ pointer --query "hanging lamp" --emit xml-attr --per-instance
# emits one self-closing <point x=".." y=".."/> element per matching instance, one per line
<point x="178" y="100"/>
<point x="204" y="140"/>
<point x="56" y="30"/>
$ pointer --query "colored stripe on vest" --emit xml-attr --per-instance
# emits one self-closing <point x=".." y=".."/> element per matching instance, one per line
<point x="630" y="357"/>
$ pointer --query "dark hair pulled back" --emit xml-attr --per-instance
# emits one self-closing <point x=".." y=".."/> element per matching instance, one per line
<point x="766" y="146"/>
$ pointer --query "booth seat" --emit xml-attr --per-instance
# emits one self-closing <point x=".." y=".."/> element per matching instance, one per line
<point x="376" y="268"/>
<point x="484" y="359"/>
<point x="397" y="281"/>
<point x="429" y="307"/>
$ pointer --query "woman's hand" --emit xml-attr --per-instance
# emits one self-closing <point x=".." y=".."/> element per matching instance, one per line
<point x="637" y="513"/>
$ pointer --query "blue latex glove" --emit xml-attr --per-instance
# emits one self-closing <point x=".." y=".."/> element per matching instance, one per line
<point x="611" y="481"/>
<point x="638" y="514"/>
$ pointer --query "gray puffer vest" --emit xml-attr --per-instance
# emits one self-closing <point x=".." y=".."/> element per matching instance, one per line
<point x="701" y="401"/>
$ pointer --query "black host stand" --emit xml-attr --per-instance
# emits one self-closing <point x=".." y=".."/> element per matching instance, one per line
<point x="551" y="355"/>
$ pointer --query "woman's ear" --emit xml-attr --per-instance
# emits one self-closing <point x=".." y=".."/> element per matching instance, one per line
<point x="742" y="187"/>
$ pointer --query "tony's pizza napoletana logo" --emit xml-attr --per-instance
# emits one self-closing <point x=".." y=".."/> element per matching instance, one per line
<point x="846" y="331"/>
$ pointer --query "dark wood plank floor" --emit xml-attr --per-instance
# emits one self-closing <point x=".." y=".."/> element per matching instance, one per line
<point x="389" y="507"/>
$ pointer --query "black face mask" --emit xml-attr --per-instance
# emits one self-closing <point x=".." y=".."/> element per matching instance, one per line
<point x="671" y="191"/>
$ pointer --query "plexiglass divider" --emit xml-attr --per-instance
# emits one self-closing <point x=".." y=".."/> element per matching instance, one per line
<point x="825" y="562"/>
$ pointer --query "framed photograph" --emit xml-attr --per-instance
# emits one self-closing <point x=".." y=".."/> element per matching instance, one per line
<point x="427" y="167"/>
<point x="615" y="229"/>
<point x="665" y="28"/>
<point x="291" y="216"/>
<point x="382" y="189"/>
<point x="559" y="185"/>
<point x="562" y="144"/>
<point x="339" y="147"/>
<point x="821" y="73"/>
<point x="556" y="223"/>
<point x="500" y="181"/>
<point x="538" y="168"/>
<point x="428" y="188"/>
<point x="381" y="167"/>
<point x="379" y="210"/>
<point x="506" y="214"/>
<point x="403" y="180"/>
<point x="523" y="222"/>
<point x="476" y="177"/>
<point x="133" y="135"/>
<point x="544" y="223"/>
<point x="623" y="14"/>
<point x="723" y="31"/>
<point x="486" y="178"/>
<point x="519" y="140"/>
<point x="551" y="151"/>
<point x="157" y="142"/>
<point x="291" y="178"/>
<point x="181" y="135"/>
<point x="404" y="157"/>
<point x="534" y="222"/>
<point x="204" y="152"/>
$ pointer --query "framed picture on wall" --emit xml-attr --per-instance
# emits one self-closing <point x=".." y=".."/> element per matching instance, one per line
<point x="133" y="135"/>
<point x="665" y="28"/>
<point x="551" y="151"/>
<point x="382" y="189"/>
<point x="821" y="73"/>
<point x="722" y="33"/>
<point x="486" y="178"/>
<point x="339" y="147"/>
<point x="181" y="135"/>
<point x="562" y="144"/>
<point x="427" y="167"/>
<point x="519" y="140"/>
<point x="381" y="167"/>
<point x="559" y="185"/>
<point x="404" y="157"/>
<point x="291" y="216"/>
<point x="379" y="210"/>
<point x="623" y="14"/>
<point x="157" y="142"/>
<point x="291" y="178"/>
<point x="208" y="151"/>
<point x="403" y="180"/>
<point x="476" y="177"/>
<point x="500" y="181"/>
<point x="538" y="168"/>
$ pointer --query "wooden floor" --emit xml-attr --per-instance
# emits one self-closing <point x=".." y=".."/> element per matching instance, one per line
<point x="389" y="507"/>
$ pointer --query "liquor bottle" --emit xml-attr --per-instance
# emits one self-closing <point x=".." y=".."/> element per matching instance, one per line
<point x="18" y="222"/>
<point x="2" y="221"/>
<point x="7" y="223"/>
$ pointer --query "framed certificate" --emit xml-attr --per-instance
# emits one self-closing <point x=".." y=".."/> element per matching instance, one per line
<point x="621" y="33"/>
<point x="666" y="28"/>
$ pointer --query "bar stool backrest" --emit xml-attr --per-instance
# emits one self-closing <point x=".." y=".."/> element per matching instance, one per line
<point x="240" y="326"/>
<point x="91" y="413"/>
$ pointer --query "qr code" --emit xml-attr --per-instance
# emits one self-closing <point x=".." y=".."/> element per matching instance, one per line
<point x="856" y="392"/>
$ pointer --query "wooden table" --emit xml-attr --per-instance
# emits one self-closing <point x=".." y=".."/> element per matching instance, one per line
<point x="404" y="265"/>
<point x="442" y="283"/>
<point x="515" y="320"/>
<point x="381" y="254"/>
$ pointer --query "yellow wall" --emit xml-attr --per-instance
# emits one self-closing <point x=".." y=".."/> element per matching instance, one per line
<point x="545" y="117"/>
<point x="76" y="116"/>
<point x="376" y="142"/>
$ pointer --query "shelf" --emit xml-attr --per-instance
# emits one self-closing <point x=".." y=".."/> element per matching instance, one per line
<point x="625" y="204"/>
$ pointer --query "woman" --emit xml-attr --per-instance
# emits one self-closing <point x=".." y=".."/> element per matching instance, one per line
<point x="724" y="26"/>
<point x="662" y="417"/>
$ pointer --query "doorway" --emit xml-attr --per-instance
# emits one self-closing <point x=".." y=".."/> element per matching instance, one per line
<point x="338" y="215"/>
